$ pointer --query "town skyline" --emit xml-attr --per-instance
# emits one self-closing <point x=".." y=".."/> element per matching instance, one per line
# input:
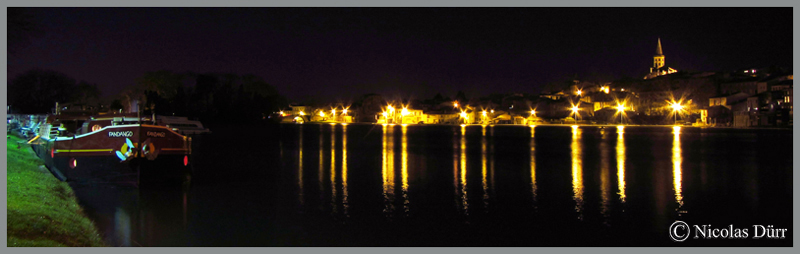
<point x="339" y="53"/>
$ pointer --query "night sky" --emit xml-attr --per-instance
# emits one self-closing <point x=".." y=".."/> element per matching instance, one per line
<point x="332" y="54"/>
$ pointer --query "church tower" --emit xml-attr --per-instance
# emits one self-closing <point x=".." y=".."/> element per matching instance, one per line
<point x="658" y="68"/>
<point x="658" y="59"/>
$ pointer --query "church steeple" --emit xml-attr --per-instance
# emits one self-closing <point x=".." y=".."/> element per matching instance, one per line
<point x="658" y="59"/>
<point x="658" y="68"/>
<point x="658" y="49"/>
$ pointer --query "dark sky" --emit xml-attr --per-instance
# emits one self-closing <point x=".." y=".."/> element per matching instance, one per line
<point x="338" y="53"/>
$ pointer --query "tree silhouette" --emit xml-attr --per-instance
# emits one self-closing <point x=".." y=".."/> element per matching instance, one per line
<point x="36" y="91"/>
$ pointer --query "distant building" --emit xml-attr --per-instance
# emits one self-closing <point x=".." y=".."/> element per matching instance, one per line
<point x="441" y="117"/>
<point x="658" y="68"/>
<point x="727" y="100"/>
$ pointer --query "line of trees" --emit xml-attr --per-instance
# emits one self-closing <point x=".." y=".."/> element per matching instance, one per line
<point x="208" y="96"/>
<point x="37" y="90"/>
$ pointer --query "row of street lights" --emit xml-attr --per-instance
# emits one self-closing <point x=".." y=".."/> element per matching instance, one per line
<point x="676" y="106"/>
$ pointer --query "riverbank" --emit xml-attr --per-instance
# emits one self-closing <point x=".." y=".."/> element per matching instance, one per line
<point x="42" y="211"/>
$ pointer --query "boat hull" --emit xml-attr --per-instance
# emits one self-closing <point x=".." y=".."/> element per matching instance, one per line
<point x="129" y="155"/>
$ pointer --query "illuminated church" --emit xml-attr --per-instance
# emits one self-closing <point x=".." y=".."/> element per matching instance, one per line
<point x="658" y="68"/>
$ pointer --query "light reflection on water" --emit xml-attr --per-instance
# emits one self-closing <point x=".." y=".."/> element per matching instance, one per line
<point x="621" y="163"/>
<point x="463" y="170"/>
<point x="605" y="181"/>
<point x="483" y="169"/>
<point x="333" y="168"/>
<point x="533" y="163"/>
<point x="300" y="166"/>
<point x="355" y="191"/>
<point x="677" y="171"/>
<point x="388" y="170"/>
<point x="345" y="204"/>
<point x="404" y="171"/>
<point x="577" y="171"/>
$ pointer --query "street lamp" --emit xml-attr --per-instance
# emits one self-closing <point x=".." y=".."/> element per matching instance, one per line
<point x="621" y="110"/>
<point x="455" y="104"/>
<point x="575" y="111"/>
<point x="676" y="107"/>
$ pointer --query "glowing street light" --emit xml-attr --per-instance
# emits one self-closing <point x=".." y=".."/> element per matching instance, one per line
<point x="455" y="104"/>
<point x="302" y="113"/>
<point x="579" y="92"/>
<point x="492" y="111"/>
<point x="533" y="112"/>
<point x="575" y="111"/>
<point x="391" y="109"/>
<point x="281" y="112"/>
<point x="405" y="112"/>
<point x="321" y="113"/>
<point x="344" y="111"/>
<point x="676" y="107"/>
<point x="621" y="110"/>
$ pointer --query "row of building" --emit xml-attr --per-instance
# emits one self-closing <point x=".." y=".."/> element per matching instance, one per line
<point x="743" y="98"/>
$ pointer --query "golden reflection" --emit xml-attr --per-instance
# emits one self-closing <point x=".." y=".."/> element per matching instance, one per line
<point x="463" y="176"/>
<point x="621" y="163"/>
<point x="333" y="168"/>
<point x="577" y="171"/>
<point x="404" y="171"/>
<point x="300" y="167"/>
<point x="483" y="168"/>
<point x="388" y="171"/>
<point x="345" y="204"/>
<point x="605" y="181"/>
<point x="677" y="171"/>
<point x="533" y="162"/>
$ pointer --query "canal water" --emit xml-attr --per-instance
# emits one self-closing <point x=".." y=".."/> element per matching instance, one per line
<point x="424" y="185"/>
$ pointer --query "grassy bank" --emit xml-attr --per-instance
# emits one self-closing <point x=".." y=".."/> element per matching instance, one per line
<point x="42" y="211"/>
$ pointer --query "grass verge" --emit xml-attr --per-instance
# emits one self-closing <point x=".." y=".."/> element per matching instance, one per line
<point x="42" y="211"/>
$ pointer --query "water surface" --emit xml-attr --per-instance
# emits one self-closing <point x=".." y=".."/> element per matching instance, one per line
<point x="436" y="185"/>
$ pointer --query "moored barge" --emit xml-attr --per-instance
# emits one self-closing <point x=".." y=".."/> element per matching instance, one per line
<point x="112" y="148"/>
